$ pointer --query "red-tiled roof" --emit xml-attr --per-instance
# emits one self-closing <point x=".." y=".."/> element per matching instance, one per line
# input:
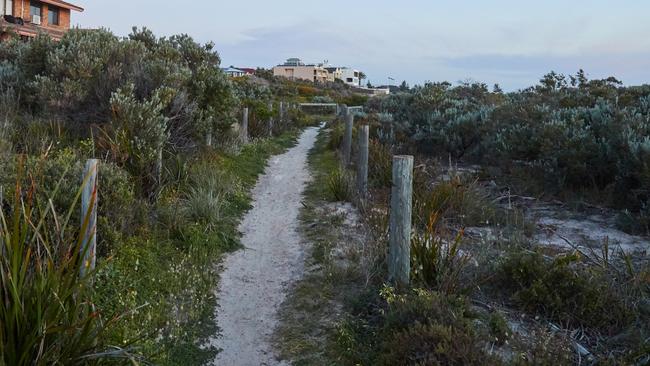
<point x="63" y="4"/>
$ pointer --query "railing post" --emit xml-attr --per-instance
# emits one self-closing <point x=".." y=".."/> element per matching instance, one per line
<point x="89" y="198"/>
<point x="399" y="250"/>
<point x="347" y="138"/>
<point x="362" y="164"/>
<point x="243" y="129"/>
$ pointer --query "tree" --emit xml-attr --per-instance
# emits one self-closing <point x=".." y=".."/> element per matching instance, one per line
<point x="404" y="87"/>
<point x="361" y="77"/>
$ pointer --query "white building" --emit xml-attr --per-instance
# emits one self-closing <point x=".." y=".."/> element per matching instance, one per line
<point x="351" y="76"/>
<point x="233" y="72"/>
<point x="347" y="75"/>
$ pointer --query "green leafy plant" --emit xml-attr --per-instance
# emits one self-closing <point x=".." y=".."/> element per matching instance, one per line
<point x="47" y="315"/>
<point x="436" y="258"/>
<point x="338" y="184"/>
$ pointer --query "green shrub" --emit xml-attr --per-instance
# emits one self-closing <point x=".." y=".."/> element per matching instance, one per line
<point x="436" y="258"/>
<point x="380" y="164"/>
<point x="419" y="327"/>
<point x="457" y="200"/>
<point x="47" y="315"/>
<point x="564" y="291"/>
<point x="339" y="186"/>
<point x="336" y="136"/>
<point x="434" y="344"/>
<point x="58" y="177"/>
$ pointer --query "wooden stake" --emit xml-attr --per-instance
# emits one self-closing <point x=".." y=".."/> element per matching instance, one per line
<point x="347" y="138"/>
<point x="243" y="129"/>
<point x="89" y="198"/>
<point x="362" y="163"/>
<point x="399" y="250"/>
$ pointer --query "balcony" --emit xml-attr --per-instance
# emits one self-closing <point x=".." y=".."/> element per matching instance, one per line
<point x="27" y="28"/>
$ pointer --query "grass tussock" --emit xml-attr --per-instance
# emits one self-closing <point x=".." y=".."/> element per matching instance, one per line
<point x="47" y="312"/>
<point x="339" y="185"/>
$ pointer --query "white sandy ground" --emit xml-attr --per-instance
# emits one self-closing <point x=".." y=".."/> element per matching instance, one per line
<point x="255" y="280"/>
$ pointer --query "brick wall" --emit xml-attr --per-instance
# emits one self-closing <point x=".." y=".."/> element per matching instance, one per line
<point x="21" y="9"/>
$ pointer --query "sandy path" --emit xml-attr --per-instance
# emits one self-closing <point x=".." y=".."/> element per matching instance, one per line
<point x="254" y="280"/>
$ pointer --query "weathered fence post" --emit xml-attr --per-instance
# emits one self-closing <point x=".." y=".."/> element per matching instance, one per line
<point x="399" y="249"/>
<point x="159" y="165"/>
<point x="347" y="138"/>
<point x="282" y="113"/>
<point x="89" y="199"/>
<point x="243" y="129"/>
<point x="271" y="119"/>
<point x="208" y="138"/>
<point x="362" y="164"/>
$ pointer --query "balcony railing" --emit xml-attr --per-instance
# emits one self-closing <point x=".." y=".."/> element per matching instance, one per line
<point x="28" y="27"/>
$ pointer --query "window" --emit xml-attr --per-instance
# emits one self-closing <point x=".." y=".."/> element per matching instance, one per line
<point x="8" y="7"/>
<point x="35" y="8"/>
<point x="52" y="15"/>
<point x="349" y="80"/>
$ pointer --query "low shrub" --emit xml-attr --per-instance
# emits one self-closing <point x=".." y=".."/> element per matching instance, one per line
<point x="563" y="290"/>
<point x="419" y="327"/>
<point x="58" y="176"/>
<point x="457" y="200"/>
<point x="339" y="186"/>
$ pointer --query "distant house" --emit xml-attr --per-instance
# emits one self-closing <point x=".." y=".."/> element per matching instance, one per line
<point x="295" y="69"/>
<point x="247" y="70"/>
<point x="347" y="75"/>
<point x="233" y="72"/>
<point x="28" y="18"/>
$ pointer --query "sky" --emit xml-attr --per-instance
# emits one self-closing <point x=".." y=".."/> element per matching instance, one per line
<point x="509" y="42"/>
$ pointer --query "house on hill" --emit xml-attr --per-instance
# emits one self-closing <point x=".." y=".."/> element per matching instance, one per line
<point x="28" y="18"/>
<point x="295" y="69"/>
<point x="233" y="72"/>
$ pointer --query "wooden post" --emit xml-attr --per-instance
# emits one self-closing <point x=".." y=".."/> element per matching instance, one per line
<point x="347" y="138"/>
<point x="89" y="198"/>
<point x="271" y="119"/>
<point x="282" y="113"/>
<point x="208" y="138"/>
<point x="159" y="165"/>
<point x="362" y="163"/>
<point x="399" y="250"/>
<point x="243" y="129"/>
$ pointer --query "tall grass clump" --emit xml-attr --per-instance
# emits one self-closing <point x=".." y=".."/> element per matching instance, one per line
<point x="339" y="186"/>
<point x="47" y="314"/>
<point x="436" y="258"/>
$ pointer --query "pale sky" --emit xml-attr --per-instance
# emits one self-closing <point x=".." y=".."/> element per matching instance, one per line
<point x="506" y="41"/>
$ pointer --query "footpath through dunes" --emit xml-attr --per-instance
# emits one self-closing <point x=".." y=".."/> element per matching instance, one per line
<point x="255" y="280"/>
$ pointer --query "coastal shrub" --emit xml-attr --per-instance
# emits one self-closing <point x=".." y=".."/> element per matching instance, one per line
<point x="561" y="290"/>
